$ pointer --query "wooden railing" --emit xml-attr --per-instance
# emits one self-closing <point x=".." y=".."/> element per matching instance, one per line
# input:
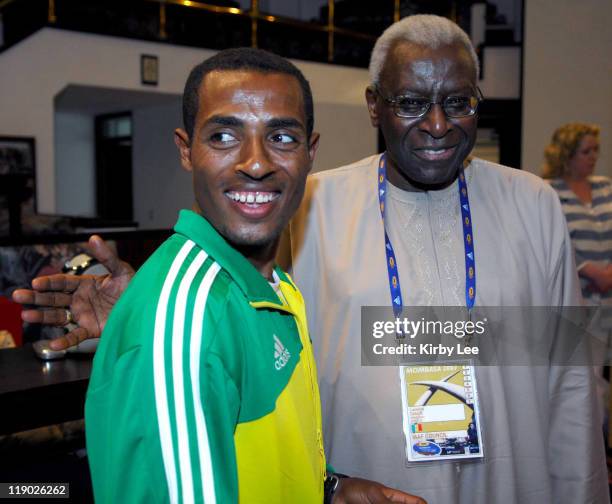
<point x="334" y="44"/>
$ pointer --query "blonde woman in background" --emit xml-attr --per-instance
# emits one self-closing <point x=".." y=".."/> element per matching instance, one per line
<point x="587" y="203"/>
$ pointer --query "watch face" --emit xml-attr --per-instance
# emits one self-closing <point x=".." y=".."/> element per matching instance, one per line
<point x="83" y="264"/>
<point x="77" y="264"/>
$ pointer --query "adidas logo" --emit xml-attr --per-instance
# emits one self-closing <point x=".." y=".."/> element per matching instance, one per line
<point x="281" y="354"/>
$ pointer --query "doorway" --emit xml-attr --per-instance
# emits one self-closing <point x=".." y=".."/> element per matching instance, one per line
<point x="114" y="198"/>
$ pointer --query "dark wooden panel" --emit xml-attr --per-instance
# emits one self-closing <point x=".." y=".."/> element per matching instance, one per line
<point x="34" y="393"/>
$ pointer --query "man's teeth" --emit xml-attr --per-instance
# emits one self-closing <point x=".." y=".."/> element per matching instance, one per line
<point x="252" y="197"/>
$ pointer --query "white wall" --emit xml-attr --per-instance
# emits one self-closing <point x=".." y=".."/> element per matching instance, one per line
<point x="38" y="68"/>
<point x="340" y="146"/>
<point x="34" y="71"/>
<point x="75" y="164"/>
<point x="567" y="73"/>
<point x="161" y="186"/>
<point x="502" y="72"/>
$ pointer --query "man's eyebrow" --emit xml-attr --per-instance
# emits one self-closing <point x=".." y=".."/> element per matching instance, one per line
<point x="284" y="122"/>
<point x="225" y="120"/>
<point x="415" y="90"/>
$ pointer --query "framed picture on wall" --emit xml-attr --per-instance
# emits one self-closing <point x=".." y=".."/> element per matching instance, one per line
<point x="17" y="183"/>
<point x="149" y="69"/>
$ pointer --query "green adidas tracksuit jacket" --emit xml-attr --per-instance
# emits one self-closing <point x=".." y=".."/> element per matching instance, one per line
<point x="204" y="385"/>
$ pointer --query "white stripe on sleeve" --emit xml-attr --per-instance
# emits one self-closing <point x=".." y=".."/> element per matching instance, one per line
<point x="178" y="336"/>
<point x="159" y="373"/>
<point x="206" y="467"/>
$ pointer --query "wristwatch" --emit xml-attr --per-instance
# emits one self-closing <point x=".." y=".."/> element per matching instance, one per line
<point x="84" y="264"/>
<point x="331" y="485"/>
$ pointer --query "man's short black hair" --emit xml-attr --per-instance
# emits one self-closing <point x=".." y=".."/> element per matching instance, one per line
<point x="242" y="58"/>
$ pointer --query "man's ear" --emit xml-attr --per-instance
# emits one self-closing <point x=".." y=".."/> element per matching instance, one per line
<point x="313" y="145"/>
<point x="183" y="144"/>
<point x="371" y="99"/>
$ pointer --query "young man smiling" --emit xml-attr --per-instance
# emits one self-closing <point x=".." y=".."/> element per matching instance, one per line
<point x="204" y="386"/>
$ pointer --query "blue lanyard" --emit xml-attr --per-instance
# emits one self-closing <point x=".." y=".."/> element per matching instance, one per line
<point x="468" y="243"/>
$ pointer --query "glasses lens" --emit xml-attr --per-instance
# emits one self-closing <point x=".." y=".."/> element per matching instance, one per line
<point x="411" y="107"/>
<point x="460" y="106"/>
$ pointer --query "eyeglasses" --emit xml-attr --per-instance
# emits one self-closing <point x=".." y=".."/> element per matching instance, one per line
<point x="453" y="106"/>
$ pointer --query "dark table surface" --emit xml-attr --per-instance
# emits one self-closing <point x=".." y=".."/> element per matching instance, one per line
<point x="34" y="393"/>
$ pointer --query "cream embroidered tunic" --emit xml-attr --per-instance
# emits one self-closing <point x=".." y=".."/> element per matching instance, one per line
<point x="542" y="442"/>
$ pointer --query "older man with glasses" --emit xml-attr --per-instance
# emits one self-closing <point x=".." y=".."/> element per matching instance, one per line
<point x="424" y="224"/>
